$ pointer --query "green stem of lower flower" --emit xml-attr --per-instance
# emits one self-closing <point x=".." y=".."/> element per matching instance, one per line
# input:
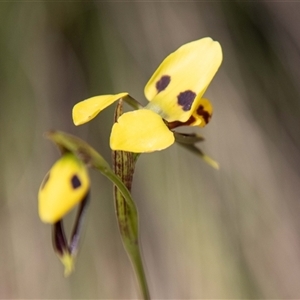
<point x="137" y="263"/>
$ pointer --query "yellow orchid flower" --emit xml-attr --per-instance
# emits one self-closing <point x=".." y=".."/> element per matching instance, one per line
<point x="66" y="184"/>
<point x="174" y="92"/>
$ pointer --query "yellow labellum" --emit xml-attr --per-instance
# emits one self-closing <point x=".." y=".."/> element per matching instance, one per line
<point x="66" y="184"/>
<point x="88" y="109"/>
<point x="140" y="131"/>
<point x="182" y="78"/>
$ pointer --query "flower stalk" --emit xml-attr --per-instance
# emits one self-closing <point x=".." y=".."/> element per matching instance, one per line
<point x="123" y="166"/>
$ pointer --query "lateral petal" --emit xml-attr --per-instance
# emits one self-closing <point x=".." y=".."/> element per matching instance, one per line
<point x="88" y="109"/>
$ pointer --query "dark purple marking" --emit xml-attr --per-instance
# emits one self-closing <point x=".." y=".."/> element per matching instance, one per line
<point x="186" y="99"/>
<point x="75" y="182"/>
<point x="190" y="121"/>
<point x="202" y="112"/>
<point x="162" y="83"/>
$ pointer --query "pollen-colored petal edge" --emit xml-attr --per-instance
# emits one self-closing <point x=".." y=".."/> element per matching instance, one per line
<point x="140" y="131"/>
<point x="88" y="109"/>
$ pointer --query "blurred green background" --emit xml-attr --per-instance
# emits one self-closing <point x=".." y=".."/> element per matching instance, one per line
<point x="232" y="233"/>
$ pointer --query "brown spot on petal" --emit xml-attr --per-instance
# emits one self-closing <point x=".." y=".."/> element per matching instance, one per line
<point x="76" y="183"/>
<point x="162" y="83"/>
<point x="186" y="99"/>
<point x="190" y="121"/>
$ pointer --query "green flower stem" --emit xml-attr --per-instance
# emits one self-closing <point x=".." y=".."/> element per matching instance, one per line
<point x="132" y="102"/>
<point x="124" y="165"/>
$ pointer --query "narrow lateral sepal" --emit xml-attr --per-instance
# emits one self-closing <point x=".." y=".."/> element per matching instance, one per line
<point x="188" y="141"/>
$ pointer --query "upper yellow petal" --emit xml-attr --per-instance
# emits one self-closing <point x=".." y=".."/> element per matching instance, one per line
<point x="182" y="78"/>
<point x="87" y="110"/>
<point x="140" y="131"/>
<point x="66" y="184"/>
